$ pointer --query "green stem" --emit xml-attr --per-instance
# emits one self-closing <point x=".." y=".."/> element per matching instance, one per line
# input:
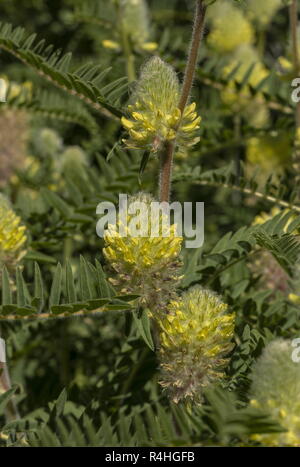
<point x="68" y="248"/>
<point x="261" y="45"/>
<point x="126" y="45"/>
<point x="129" y="57"/>
<point x="236" y="197"/>
<point x="128" y="382"/>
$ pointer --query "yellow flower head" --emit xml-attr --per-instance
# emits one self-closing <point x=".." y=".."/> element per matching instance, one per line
<point x="262" y="12"/>
<point x="12" y="234"/>
<point x="276" y="389"/>
<point x="230" y="28"/>
<point x="146" y="265"/>
<point x="195" y="336"/>
<point x="271" y="152"/>
<point x="154" y="114"/>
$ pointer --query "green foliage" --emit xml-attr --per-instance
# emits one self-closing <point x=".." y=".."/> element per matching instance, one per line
<point x="83" y="356"/>
<point x="91" y="294"/>
<point x="50" y="64"/>
<point x="66" y="426"/>
<point x="53" y="106"/>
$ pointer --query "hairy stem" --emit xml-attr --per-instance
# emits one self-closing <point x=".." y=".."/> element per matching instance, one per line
<point x="166" y="160"/>
<point x="294" y="24"/>
<point x="168" y="152"/>
<point x="236" y="197"/>
<point x="193" y="54"/>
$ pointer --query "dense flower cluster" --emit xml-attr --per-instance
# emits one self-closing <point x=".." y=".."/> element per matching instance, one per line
<point x="195" y="337"/>
<point x="12" y="235"/>
<point x="154" y="114"/>
<point x="146" y="265"/>
<point x="276" y="389"/>
<point x="230" y="28"/>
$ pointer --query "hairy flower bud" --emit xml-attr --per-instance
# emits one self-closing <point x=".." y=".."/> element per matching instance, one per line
<point x="276" y="389"/>
<point x="195" y="337"/>
<point x="154" y="114"/>
<point x="145" y="265"/>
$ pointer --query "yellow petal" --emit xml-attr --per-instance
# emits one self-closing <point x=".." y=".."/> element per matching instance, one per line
<point x="108" y="44"/>
<point x="149" y="46"/>
<point x="128" y="124"/>
<point x="189" y="109"/>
